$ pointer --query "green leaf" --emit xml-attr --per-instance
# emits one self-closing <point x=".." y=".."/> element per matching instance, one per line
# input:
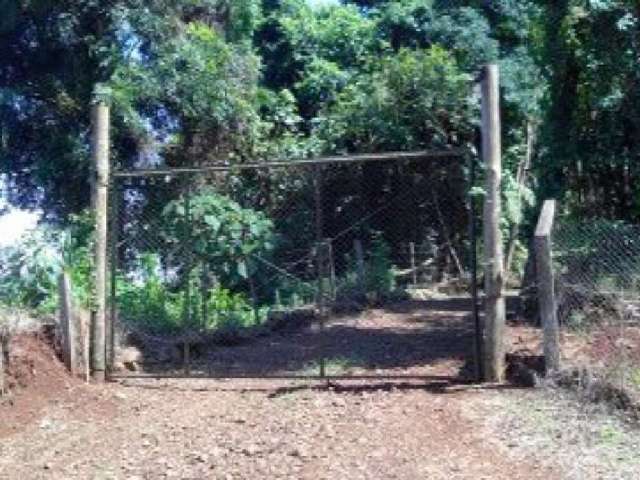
<point x="212" y="221"/>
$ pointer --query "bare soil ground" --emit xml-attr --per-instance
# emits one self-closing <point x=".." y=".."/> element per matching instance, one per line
<point x="425" y="339"/>
<point x="34" y="376"/>
<point x="440" y="427"/>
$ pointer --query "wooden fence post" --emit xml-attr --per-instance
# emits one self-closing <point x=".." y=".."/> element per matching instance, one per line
<point x="493" y="258"/>
<point x="67" y="323"/>
<point x="323" y="266"/>
<point x="100" y="158"/>
<point x="546" y="287"/>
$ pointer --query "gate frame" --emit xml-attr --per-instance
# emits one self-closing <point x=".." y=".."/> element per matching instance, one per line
<point x="462" y="153"/>
<point x="102" y="356"/>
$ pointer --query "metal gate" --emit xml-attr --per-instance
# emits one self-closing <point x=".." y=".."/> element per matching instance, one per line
<point x="212" y="266"/>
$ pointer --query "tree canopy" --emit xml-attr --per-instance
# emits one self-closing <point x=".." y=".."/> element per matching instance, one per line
<point x="197" y="81"/>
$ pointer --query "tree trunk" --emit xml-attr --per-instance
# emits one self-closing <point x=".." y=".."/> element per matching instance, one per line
<point x="521" y="182"/>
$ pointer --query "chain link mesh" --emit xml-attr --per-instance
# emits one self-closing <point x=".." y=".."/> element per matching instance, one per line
<point x="202" y="253"/>
<point x="597" y="266"/>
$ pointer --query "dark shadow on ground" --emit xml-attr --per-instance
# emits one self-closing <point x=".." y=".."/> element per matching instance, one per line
<point x="432" y="339"/>
<point x="345" y="387"/>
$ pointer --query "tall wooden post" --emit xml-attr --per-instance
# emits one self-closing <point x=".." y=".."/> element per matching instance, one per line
<point x="546" y="288"/>
<point x="493" y="268"/>
<point x="100" y="158"/>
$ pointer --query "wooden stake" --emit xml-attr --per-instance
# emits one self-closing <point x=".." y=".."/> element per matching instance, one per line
<point x="86" y="348"/>
<point x="412" y="255"/>
<point x="114" y="229"/>
<point x="360" y="272"/>
<point x="100" y="159"/>
<point x="494" y="274"/>
<point x="546" y="288"/>
<point x="331" y="266"/>
<point x="186" y="357"/>
<point x="324" y="291"/>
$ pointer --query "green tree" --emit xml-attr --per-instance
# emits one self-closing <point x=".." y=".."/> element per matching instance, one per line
<point x="412" y="99"/>
<point x="215" y="231"/>
<point x="593" y="117"/>
<point x="180" y="70"/>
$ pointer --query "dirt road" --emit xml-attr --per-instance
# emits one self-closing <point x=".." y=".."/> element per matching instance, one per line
<point x="199" y="429"/>
<point x="374" y="429"/>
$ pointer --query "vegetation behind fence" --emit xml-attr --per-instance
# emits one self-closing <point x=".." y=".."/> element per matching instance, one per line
<point x="209" y="250"/>
<point x="598" y="296"/>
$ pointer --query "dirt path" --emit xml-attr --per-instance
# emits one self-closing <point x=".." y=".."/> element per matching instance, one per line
<point x="200" y="429"/>
<point x="250" y="429"/>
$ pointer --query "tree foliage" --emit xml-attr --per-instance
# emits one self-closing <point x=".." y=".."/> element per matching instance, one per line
<point x="218" y="232"/>
<point x="202" y="81"/>
<point x="593" y="114"/>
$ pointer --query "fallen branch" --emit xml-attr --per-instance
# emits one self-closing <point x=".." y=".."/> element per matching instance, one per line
<point x="409" y="271"/>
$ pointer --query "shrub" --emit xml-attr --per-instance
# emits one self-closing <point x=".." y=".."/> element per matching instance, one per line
<point x="380" y="280"/>
<point x="148" y="301"/>
<point x="29" y="270"/>
<point x="218" y="232"/>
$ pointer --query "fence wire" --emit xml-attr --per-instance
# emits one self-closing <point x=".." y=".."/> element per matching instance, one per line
<point x="597" y="266"/>
<point x="203" y="252"/>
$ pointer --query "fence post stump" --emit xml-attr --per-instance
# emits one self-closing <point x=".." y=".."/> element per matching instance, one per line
<point x="100" y="158"/>
<point x="546" y="287"/>
<point x="67" y="323"/>
<point x="494" y="270"/>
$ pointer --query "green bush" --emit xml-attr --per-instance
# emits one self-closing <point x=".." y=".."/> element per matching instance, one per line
<point x="218" y="232"/>
<point x="30" y="269"/>
<point x="294" y="293"/>
<point x="380" y="280"/>
<point x="148" y="301"/>
<point x="232" y="311"/>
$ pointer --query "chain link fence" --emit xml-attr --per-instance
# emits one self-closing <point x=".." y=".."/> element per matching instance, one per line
<point x="597" y="266"/>
<point x="220" y="252"/>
